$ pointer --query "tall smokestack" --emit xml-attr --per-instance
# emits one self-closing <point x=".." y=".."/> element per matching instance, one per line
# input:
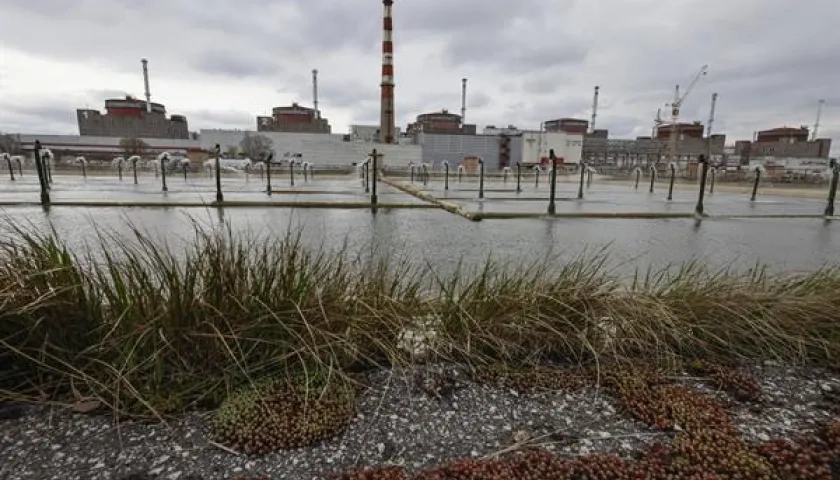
<point x="463" y="101"/>
<point x="146" y="82"/>
<point x="387" y="121"/>
<point x="594" y="108"/>
<point x="315" y="92"/>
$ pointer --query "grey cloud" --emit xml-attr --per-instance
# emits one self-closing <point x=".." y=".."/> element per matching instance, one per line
<point x="235" y="64"/>
<point x="237" y="119"/>
<point x="534" y="59"/>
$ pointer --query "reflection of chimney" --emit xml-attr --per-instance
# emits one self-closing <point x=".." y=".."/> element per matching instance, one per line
<point x="463" y="101"/>
<point x="146" y="82"/>
<point x="315" y="92"/>
<point x="387" y="120"/>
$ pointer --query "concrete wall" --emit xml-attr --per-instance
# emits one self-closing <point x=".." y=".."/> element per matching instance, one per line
<point x="568" y="146"/>
<point x="321" y="149"/>
<point x="440" y="147"/>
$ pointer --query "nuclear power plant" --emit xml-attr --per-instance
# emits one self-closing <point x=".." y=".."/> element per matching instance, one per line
<point x="441" y="135"/>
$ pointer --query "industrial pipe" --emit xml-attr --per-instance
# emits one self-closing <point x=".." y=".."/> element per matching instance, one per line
<point x="518" y="177"/>
<point x="445" y="175"/>
<point x="460" y="172"/>
<point x="119" y="162"/>
<point x="48" y="159"/>
<point x="163" y="159"/>
<point x="638" y="176"/>
<point x="20" y="165"/>
<point x="411" y="167"/>
<point x="755" y="184"/>
<point x="134" y="159"/>
<point x="590" y="173"/>
<point x="552" y="208"/>
<point x="698" y="210"/>
<point x="712" y="183"/>
<point x="582" y="176"/>
<point x="42" y="177"/>
<point x="832" y="190"/>
<point x="292" y="171"/>
<point x="673" y="167"/>
<point x="268" y="173"/>
<point x="366" y="168"/>
<point x="185" y="165"/>
<point x="537" y="171"/>
<point x="305" y="174"/>
<point x="652" y="177"/>
<point x="9" y="163"/>
<point x="218" y="151"/>
<point x="505" y="172"/>
<point x="83" y="162"/>
<point x="311" y="170"/>
<point x="373" y="198"/>
<point x="425" y="174"/>
<point x="480" y="177"/>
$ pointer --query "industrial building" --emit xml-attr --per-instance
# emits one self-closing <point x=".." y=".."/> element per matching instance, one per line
<point x="294" y="118"/>
<point x="568" y="125"/>
<point x="322" y="149"/>
<point x="783" y="142"/>
<point x="367" y="133"/>
<point x="129" y="117"/>
<point x="683" y="131"/>
<point x="599" y="149"/>
<point x="440" y="122"/>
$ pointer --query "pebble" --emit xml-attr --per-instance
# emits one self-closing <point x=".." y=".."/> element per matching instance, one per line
<point x="396" y="424"/>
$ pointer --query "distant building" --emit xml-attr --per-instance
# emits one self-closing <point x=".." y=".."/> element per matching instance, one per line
<point x="128" y="117"/>
<point x="509" y="130"/>
<point x="783" y="142"/>
<point x="294" y="119"/>
<point x="440" y="122"/>
<point x="684" y="131"/>
<point x="567" y="125"/>
<point x="599" y="149"/>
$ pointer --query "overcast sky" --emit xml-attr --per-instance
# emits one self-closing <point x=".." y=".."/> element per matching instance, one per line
<point x="223" y="62"/>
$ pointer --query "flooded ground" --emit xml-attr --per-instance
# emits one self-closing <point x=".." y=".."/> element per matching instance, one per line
<point x="440" y="239"/>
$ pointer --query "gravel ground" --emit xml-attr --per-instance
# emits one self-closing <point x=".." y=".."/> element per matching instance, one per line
<point x="399" y="422"/>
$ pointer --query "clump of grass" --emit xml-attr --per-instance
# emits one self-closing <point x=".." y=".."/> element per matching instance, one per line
<point x="151" y="329"/>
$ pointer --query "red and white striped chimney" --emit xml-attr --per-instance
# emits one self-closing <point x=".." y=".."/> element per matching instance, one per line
<point x="387" y="124"/>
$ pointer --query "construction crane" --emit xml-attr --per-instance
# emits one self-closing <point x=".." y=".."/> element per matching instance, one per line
<point x="675" y="109"/>
<point x="817" y="123"/>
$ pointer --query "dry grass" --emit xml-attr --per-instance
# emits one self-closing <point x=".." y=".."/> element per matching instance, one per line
<point x="152" y="330"/>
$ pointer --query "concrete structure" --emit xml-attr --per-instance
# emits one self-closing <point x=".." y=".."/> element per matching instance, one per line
<point x="684" y="131"/>
<point x="599" y="149"/>
<point x="387" y="119"/>
<point x="440" y="122"/>
<point x="129" y="117"/>
<point x="537" y="145"/>
<point x="454" y="148"/>
<point x="295" y="119"/>
<point x="106" y="148"/>
<point x="321" y="149"/>
<point x="367" y="133"/>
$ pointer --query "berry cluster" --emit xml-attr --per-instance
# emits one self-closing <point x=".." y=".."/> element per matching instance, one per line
<point x="740" y="385"/>
<point x="532" y="379"/>
<point x="277" y="414"/>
